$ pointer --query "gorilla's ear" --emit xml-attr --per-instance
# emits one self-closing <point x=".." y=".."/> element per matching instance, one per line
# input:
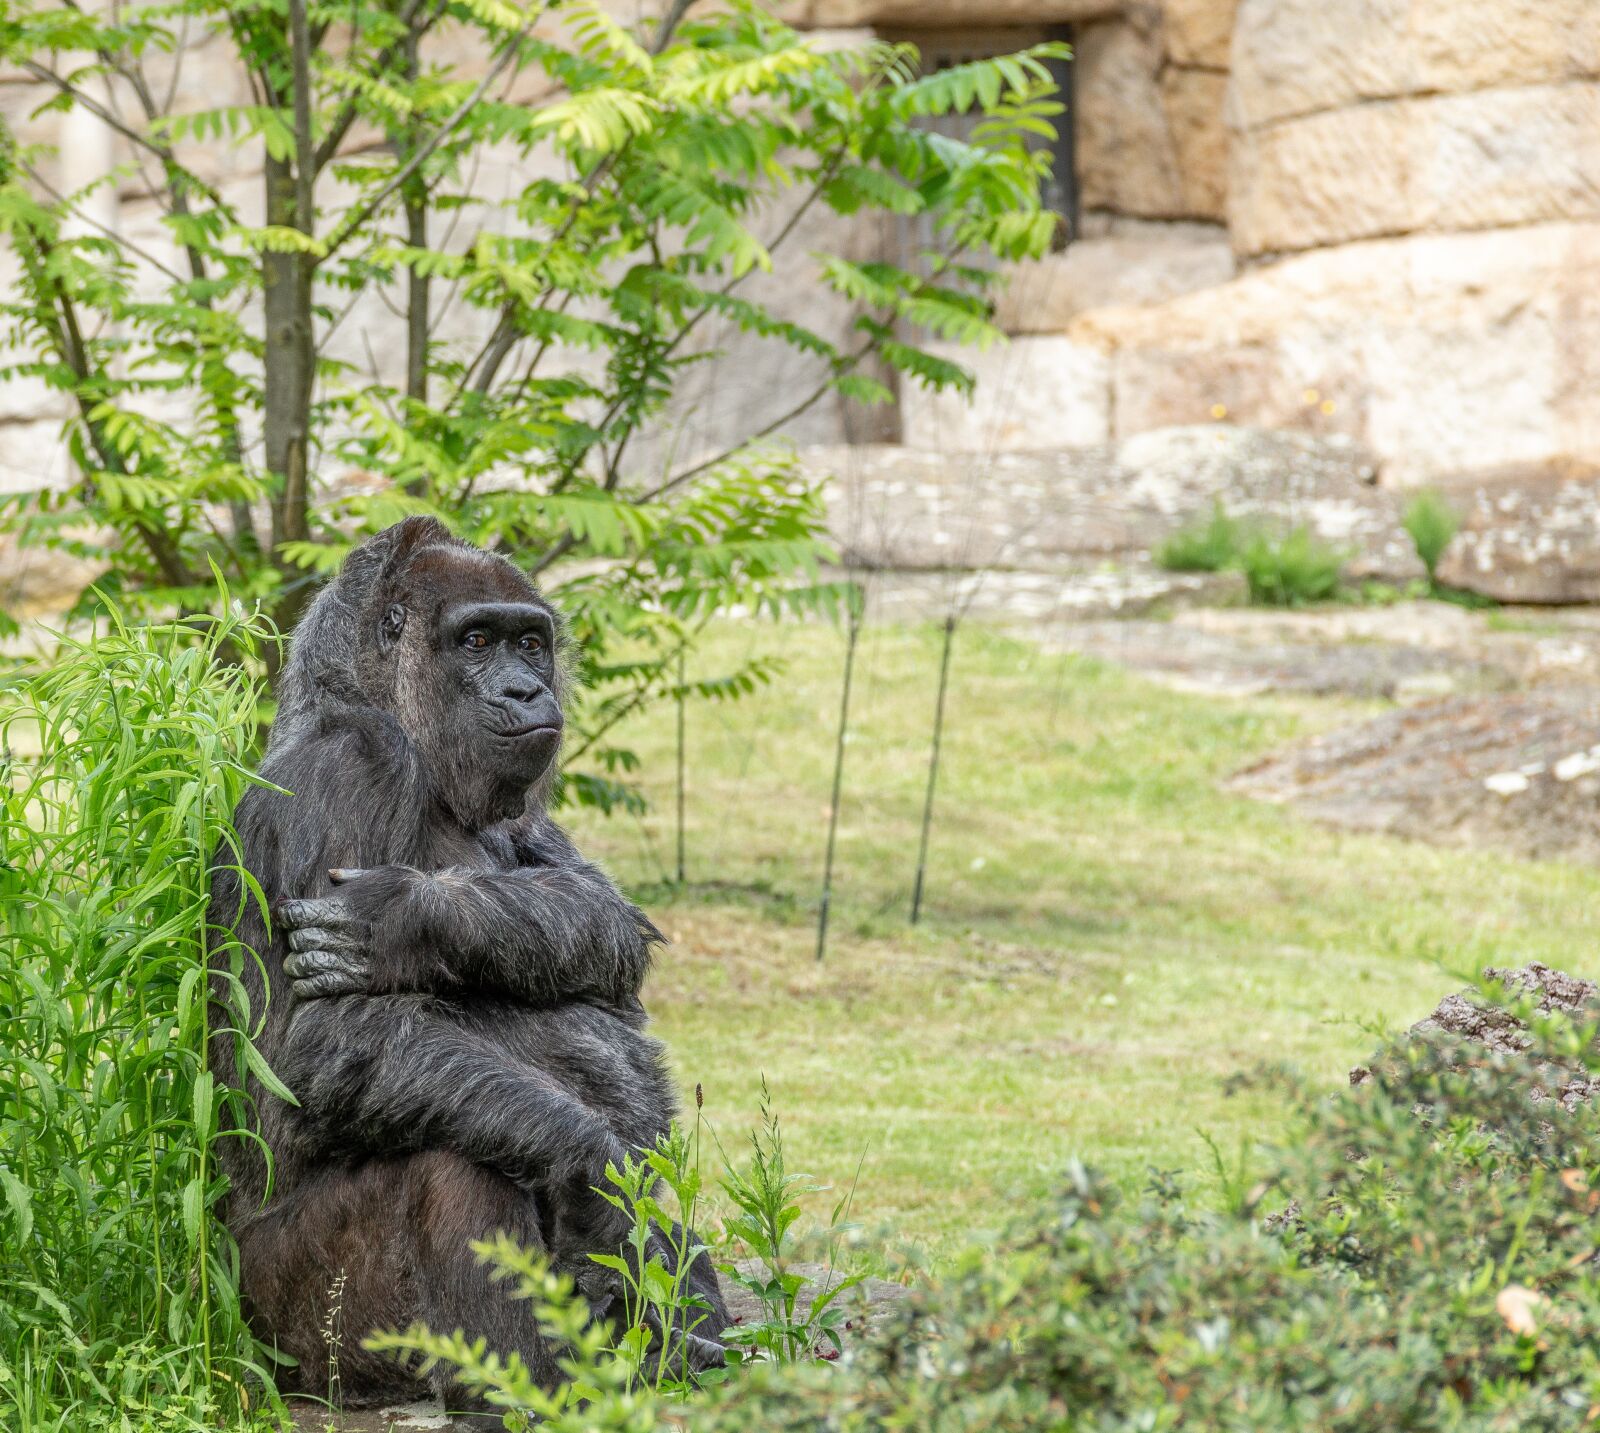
<point x="392" y="624"/>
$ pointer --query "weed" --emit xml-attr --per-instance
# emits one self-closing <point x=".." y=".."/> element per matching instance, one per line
<point x="1431" y="523"/>
<point x="1290" y="571"/>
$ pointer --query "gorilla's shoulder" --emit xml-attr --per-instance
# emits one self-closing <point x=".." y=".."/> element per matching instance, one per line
<point x="342" y="755"/>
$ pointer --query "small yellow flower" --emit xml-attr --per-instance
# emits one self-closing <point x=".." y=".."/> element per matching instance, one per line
<point x="1219" y="410"/>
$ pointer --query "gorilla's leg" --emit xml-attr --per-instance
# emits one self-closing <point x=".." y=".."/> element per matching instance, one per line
<point x="381" y="1246"/>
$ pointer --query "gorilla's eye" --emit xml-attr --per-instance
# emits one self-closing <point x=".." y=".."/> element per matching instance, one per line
<point x="531" y="642"/>
<point x="475" y="641"/>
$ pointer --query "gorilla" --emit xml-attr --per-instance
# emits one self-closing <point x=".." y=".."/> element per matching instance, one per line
<point x="450" y="990"/>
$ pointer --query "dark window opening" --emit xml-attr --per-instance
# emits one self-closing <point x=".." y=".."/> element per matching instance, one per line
<point x="941" y="49"/>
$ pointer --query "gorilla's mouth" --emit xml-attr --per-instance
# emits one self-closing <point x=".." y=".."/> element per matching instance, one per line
<point x="520" y="733"/>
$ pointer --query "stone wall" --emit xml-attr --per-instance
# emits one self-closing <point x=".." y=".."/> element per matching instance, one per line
<point x="1412" y="196"/>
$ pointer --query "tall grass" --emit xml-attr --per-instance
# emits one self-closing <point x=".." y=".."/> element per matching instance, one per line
<point x="118" y="1295"/>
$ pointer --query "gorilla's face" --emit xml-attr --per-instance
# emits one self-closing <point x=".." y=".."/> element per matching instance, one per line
<point x="477" y="682"/>
<point x="499" y="661"/>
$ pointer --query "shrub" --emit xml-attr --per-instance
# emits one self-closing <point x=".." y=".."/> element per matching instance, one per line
<point x="117" y="1296"/>
<point x="1431" y="523"/>
<point x="1428" y="1262"/>
<point x="1209" y="546"/>
<point x="1291" y="570"/>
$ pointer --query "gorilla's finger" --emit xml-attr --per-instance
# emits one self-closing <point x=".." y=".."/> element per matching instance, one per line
<point x="308" y="964"/>
<point x="313" y="937"/>
<point x="703" y="1354"/>
<point x="319" y="987"/>
<point x="323" y="912"/>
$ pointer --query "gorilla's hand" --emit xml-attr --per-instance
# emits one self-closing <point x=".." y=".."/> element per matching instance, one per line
<point x="330" y="945"/>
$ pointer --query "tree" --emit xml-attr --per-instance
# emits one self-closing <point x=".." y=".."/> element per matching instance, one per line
<point x="658" y="171"/>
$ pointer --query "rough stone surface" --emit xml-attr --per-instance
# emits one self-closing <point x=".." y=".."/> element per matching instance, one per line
<point x="934" y="13"/>
<point x="1529" y="537"/>
<point x="1465" y="1016"/>
<point x="1444" y="354"/>
<point x="1193" y="101"/>
<point x="1126" y="158"/>
<point x="1199" y="32"/>
<point x="1134" y="263"/>
<point x="1517" y="772"/>
<point x="1036" y="391"/>
<point x="1438" y="162"/>
<point x="1060" y="510"/>
<point x="1297" y="57"/>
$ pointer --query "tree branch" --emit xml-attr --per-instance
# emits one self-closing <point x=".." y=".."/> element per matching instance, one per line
<point x="368" y="207"/>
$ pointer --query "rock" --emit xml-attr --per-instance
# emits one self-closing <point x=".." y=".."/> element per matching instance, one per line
<point x="1438" y="773"/>
<point x="1033" y="601"/>
<point x="1297" y="57"/>
<point x="1198" y="32"/>
<point x="1193" y="101"/>
<point x="1127" y="160"/>
<point x="1033" y="392"/>
<point x="1466" y="1016"/>
<point x="1529" y="536"/>
<point x="1475" y="161"/>
<point x="866" y="1306"/>
<point x="1444" y="353"/>
<point x="1074" y="509"/>
<point x="1134" y="263"/>
<point x="934" y="14"/>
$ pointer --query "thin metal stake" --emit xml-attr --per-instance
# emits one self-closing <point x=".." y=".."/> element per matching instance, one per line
<point x="933" y="766"/>
<point x="838" y="774"/>
<point x="680" y="769"/>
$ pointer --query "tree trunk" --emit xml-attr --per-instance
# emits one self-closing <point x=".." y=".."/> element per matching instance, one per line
<point x="289" y="363"/>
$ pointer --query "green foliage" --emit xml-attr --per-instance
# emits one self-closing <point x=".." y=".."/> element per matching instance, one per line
<point x="660" y="1310"/>
<point x="623" y="1376"/>
<point x="1210" y="546"/>
<point x="1428" y="1263"/>
<point x="1291" y="570"/>
<point x="1431" y="523"/>
<point x="213" y="375"/>
<point x="1286" y="570"/>
<point x="601" y="1394"/>
<point x="766" y="1196"/>
<point x="117" y="1294"/>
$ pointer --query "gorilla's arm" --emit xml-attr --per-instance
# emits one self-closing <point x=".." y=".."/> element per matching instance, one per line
<point x="382" y="1075"/>
<point x="540" y="934"/>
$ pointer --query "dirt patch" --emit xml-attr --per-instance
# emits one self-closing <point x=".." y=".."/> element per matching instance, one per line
<point x="1517" y="772"/>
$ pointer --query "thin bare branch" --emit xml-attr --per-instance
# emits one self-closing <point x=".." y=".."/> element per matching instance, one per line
<point x="425" y="151"/>
<point x="162" y="151"/>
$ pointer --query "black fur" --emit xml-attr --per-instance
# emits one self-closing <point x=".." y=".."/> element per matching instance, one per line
<point x="449" y="988"/>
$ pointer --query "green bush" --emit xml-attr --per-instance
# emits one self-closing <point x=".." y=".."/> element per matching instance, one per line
<point x="1422" y="1256"/>
<point x="1431" y="523"/>
<point x="118" y="1307"/>
<point x="1291" y="570"/>
<point x="1209" y="546"/>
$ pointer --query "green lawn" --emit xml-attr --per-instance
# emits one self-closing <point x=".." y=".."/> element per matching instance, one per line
<point x="1107" y="936"/>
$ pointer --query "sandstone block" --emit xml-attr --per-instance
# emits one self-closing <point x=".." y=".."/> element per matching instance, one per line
<point x="1199" y="32"/>
<point x="1136" y="264"/>
<point x="1033" y="393"/>
<point x="1193" y="101"/>
<point x="1127" y="159"/>
<point x="1438" y="162"/>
